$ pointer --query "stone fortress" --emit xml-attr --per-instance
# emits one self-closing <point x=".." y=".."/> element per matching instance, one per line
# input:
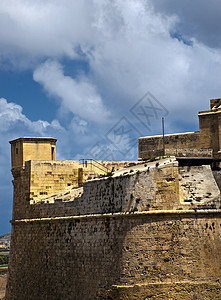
<point x="148" y="229"/>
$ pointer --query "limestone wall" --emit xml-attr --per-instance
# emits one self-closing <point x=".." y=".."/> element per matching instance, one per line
<point x="164" y="187"/>
<point x="217" y="177"/>
<point x="44" y="178"/>
<point x="155" y="223"/>
<point x="210" y="134"/>
<point x="40" y="180"/>
<point x="21" y="192"/>
<point x="150" y="147"/>
<point x="50" y="177"/>
<point x="105" y="167"/>
<point x="79" y="257"/>
<point x="161" y="188"/>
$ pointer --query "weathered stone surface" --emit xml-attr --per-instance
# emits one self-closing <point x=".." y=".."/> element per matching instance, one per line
<point x="2" y="286"/>
<point x="150" y="231"/>
<point x="73" y="259"/>
<point x="165" y="187"/>
<point x="189" y="152"/>
<point x="152" y="146"/>
<point x="178" y="291"/>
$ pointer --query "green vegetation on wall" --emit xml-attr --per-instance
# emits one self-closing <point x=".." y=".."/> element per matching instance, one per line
<point x="4" y="259"/>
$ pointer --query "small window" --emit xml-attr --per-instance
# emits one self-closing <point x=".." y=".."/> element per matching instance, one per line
<point x="52" y="153"/>
<point x="16" y="151"/>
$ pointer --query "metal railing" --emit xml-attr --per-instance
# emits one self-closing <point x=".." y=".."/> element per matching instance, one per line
<point x="94" y="163"/>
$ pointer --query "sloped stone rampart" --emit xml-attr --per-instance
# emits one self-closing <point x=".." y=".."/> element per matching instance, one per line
<point x="159" y="188"/>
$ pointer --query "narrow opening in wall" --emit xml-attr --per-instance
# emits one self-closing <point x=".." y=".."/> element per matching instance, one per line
<point x="16" y="151"/>
<point x="52" y="153"/>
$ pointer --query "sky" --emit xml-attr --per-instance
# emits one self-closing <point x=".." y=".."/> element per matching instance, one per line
<point x="98" y="74"/>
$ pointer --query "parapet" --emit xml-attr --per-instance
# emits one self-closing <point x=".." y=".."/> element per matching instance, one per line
<point x="32" y="148"/>
<point x="160" y="185"/>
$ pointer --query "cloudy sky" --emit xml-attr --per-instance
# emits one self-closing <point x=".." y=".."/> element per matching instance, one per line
<point x="98" y="74"/>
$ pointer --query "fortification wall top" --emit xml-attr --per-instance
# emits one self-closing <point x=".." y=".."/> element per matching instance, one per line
<point x="161" y="185"/>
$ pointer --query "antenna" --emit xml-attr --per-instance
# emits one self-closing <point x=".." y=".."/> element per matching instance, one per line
<point x="163" y="136"/>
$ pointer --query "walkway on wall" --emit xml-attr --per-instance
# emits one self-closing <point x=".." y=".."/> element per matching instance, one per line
<point x="94" y="164"/>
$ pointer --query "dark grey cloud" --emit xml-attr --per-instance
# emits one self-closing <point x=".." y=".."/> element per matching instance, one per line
<point x="199" y="19"/>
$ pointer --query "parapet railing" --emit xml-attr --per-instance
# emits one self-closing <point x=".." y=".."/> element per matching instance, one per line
<point x="95" y="164"/>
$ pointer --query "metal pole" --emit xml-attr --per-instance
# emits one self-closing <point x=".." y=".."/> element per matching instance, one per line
<point x="163" y="137"/>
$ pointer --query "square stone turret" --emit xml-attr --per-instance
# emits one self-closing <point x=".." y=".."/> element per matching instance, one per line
<point x="32" y="148"/>
<point x="210" y="127"/>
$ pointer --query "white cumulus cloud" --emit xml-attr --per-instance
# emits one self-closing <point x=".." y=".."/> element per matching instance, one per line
<point x="129" y="48"/>
<point x="79" y="95"/>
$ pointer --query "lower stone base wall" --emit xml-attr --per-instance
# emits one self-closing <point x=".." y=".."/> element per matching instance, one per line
<point x="164" y="291"/>
<point x="76" y="257"/>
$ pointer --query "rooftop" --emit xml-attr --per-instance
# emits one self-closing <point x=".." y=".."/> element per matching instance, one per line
<point x="34" y="139"/>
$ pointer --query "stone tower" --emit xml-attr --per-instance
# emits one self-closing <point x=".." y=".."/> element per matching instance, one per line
<point x="23" y="150"/>
<point x="210" y="127"/>
<point x="32" y="148"/>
